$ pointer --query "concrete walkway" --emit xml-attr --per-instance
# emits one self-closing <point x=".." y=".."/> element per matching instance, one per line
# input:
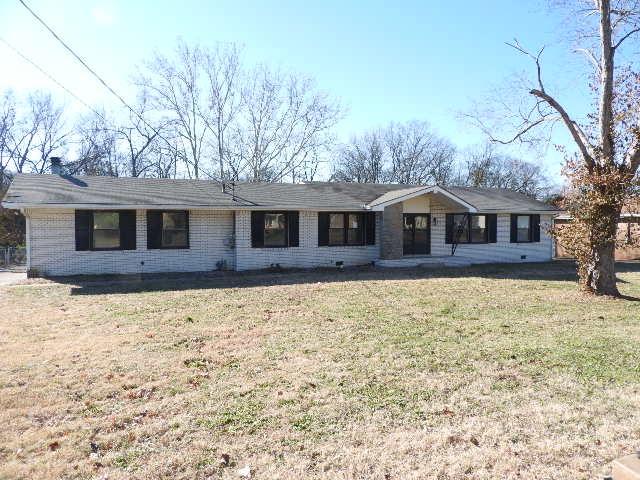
<point x="9" y="277"/>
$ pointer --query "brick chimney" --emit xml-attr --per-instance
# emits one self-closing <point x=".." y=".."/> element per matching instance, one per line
<point x="56" y="165"/>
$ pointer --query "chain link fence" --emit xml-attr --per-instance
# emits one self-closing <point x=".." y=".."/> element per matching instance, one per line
<point x="12" y="256"/>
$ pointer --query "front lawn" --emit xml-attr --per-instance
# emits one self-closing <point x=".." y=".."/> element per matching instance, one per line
<point x="484" y="373"/>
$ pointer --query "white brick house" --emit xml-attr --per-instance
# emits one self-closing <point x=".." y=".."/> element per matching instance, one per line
<point x="105" y="225"/>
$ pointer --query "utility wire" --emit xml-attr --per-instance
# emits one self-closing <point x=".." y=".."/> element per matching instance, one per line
<point x="84" y="64"/>
<point x="93" y="72"/>
<point x="100" y="79"/>
<point x="50" y="77"/>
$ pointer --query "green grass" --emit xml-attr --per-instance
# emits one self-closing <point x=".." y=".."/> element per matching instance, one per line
<point x="492" y="372"/>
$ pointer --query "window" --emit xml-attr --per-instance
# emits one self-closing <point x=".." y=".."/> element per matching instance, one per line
<point x="275" y="230"/>
<point x="478" y="229"/>
<point x="471" y="228"/>
<point x="167" y="229"/>
<point x="106" y="230"/>
<point x="523" y="227"/>
<point x="175" y="230"/>
<point x="336" y="229"/>
<point x="461" y="228"/>
<point x="354" y="229"/>
<point x="343" y="229"/>
<point x="346" y="228"/>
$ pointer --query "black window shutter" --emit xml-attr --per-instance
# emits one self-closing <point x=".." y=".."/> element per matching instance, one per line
<point x="257" y="229"/>
<point x="323" y="229"/>
<point x="293" y="224"/>
<point x="186" y="214"/>
<point x="535" y="228"/>
<point x="127" y="229"/>
<point x="370" y="228"/>
<point x="154" y="229"/>
<point x="84" y="225"/>
<point x="492" y="221"/>
<point x="449" y="228"/>
<point x="514" y="228"/>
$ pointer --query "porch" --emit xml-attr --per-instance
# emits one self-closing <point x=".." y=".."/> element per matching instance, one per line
<point x="414" y="228"/>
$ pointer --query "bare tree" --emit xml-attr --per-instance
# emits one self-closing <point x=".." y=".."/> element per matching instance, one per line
<point x="96" y="152"/>
<point x="174" y="88"/>
<point x="406" y="153"/>
<point x="224" y="74"/>
<point x="284" y="122"/>
<point x="601" y="174"/>
<point x="485" y="167"/>
<point x="418" y="155"/>
<point x="37" y="131"/>
<point x="139" y="138"/>
<point x="7" y="122"/>
<point x="362" y="160"/>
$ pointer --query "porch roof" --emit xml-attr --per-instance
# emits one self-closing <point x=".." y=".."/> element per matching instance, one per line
<point x="488" y="200"/>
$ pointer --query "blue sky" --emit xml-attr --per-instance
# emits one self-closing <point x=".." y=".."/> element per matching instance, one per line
<point x="385" y="61"/>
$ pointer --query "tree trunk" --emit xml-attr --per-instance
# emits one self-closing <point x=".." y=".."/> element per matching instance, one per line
<point x="600" y="274"/>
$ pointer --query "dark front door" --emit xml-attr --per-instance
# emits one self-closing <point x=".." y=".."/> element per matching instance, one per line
<point x="416" y="234"/>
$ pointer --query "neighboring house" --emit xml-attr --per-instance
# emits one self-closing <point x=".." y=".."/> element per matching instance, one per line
<point x="106" y="225"/>
<point x="628" y="247"/>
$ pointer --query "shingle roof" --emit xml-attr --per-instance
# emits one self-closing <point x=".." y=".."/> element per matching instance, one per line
<point x="59" y="191"/>
<point x="499" y="199"/>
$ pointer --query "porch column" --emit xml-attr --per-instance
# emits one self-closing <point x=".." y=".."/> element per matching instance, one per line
<point x="391" y="246"/>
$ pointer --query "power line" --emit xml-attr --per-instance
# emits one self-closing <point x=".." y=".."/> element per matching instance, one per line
<point x="50" y="77"/>
<point x="100" y="79"/>
<point x="84" y="64"/>
<point x="93" y="72"/>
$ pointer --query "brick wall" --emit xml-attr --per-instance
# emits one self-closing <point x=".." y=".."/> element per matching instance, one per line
<point x="307" y="255"/>
<point x="392" y="232"/>
<point x="51" y="241"/>
<point x="503" y="251"/>
<point x="52" y="246"/>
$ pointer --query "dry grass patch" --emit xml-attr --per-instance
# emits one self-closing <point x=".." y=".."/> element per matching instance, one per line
<point x="495" y="372"/>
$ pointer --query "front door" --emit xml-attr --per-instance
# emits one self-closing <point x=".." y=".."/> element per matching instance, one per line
<point x="416" y="234"/>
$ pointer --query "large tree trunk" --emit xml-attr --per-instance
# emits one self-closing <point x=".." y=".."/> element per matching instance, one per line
<point x="600" y="274"/>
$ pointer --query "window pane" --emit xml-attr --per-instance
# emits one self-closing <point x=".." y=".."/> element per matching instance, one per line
<point x="461" y="222"/>
<point x="106" y="239"/>
<point x="275" y="238"/>
<point x="106" y="230"/>
<point x="106" y="220"/>
<point x="174" y="238"/>
<point x="174" y="229"/>
<point x="275" y="230"/>
<point x="354" y="236"/>
<point x="174" y="220"/>
<point x="354" y="232"/>
<point x="421" y="222"/>
<point x="336" y="220"/>
<point x="274" y="221"/>
<point x="478" y="228"/>
<point x="523" y="228"/>
<point x="336" y="236"/>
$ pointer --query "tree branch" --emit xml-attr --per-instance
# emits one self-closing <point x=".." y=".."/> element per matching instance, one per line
<point x="627" y="35"/>
<point x="576" y="132"/>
